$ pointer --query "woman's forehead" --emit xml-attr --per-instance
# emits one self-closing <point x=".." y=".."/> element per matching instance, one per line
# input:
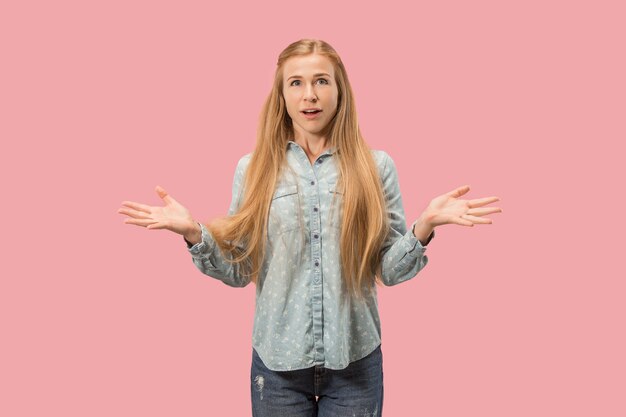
<point x="308" y="66"/>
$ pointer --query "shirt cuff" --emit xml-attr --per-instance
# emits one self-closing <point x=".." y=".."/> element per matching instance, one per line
<point x="414" y="242"/>
<point x="204" y="246"/>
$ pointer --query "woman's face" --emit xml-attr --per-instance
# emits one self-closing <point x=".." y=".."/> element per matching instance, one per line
<point x="309" y="82"/>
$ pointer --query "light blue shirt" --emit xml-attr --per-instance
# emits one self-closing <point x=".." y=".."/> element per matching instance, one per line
<point x="300" y="318"/>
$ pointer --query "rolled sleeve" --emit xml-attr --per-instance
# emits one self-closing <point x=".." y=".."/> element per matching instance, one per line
<point x="207" y="256"/>
<point x="205" y="246"/>
<point x="402" y="254"/>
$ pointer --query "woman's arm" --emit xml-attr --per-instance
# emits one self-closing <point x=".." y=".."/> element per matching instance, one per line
<point x="194" y="235"/>
<point x="402" y="254"/>
<point x="423" y="229"/>
<point x="204" y="251"/>
<point x="208" y="258"/>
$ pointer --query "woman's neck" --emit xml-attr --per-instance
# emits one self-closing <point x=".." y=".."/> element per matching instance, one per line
<point x="313" y="147"/>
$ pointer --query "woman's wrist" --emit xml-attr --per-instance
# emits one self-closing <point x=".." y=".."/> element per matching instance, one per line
<point x="422" y="228"/>
<point x="194" y="235"/>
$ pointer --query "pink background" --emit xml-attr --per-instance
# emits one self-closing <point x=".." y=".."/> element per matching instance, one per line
<point x="102" y="101"/>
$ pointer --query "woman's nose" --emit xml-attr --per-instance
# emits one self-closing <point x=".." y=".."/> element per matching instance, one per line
<point x="310" y="94"/>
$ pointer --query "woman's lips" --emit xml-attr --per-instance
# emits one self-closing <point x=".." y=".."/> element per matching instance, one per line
<point x="311" y="115"/>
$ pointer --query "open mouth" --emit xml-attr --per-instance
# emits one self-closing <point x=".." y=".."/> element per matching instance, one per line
<point x="311" y="114"/>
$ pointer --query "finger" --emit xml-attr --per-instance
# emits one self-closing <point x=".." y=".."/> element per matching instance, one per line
<point x="475" y="219"/>
<point x="459" y="191"/>
<point x="483" y="211"/>
<point x="134" y="214"/>
<point x="156" y="226"/>
<point x="461" y="221"/>
<point x="164" y="195"/>
<point x="136" y="206"/>
<point x="478" y="202"/>
<point x="140" y="222"/>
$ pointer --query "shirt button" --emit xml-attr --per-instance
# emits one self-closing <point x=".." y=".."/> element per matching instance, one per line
<point x="314" y="208"/>
<point x="316" y="236"/>
<point x="312" y="182"/>
<point x="317" y="263"/>
<point x="319" y="161"/>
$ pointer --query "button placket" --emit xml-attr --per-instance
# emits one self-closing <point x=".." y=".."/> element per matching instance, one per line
<point x="316" y="249"/>
<point x="310" y="174"/>
<point x="316" y="284"/>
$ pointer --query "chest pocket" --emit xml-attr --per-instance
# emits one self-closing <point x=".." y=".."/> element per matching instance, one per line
<point x="284" y="210"/>
<point x="335" y="206"/>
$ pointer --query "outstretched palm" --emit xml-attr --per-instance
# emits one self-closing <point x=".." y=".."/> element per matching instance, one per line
<point x="450" y="209"/>
<point x="173" y="216"/>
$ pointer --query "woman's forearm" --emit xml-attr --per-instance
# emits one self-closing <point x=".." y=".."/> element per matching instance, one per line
<point x="194" y="235"/>
<point x="423" y="229"/>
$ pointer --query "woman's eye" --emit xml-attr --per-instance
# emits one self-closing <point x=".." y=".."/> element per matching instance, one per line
<point x="321" y="79"/>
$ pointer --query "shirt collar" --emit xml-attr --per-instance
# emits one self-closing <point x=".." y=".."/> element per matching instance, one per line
<point x="329" y="151"/>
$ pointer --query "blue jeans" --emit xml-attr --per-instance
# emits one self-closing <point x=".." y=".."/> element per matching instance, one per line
<point x="354" y="391"/>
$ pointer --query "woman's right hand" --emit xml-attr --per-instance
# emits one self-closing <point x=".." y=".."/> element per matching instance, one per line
<point x="173" y="216"/>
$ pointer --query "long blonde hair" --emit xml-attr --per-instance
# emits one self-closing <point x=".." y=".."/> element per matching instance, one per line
<point x="364" y="223"/>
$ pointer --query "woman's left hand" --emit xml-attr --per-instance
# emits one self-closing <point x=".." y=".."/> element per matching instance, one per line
<point x="450" y="209"/>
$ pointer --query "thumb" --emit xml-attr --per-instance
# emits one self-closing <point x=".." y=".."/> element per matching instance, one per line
<point x="459" y="191"/>
<point x="164" y="195"/>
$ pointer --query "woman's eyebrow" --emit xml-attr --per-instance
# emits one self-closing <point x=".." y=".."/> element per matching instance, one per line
<point x="315" y="75"/>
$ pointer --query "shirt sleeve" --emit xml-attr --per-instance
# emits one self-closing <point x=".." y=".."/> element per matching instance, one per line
<point x="402" y="254"/>
<point x="206" y="254"/>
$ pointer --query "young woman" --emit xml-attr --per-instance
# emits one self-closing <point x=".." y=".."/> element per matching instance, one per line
<point x="316" y="220"/>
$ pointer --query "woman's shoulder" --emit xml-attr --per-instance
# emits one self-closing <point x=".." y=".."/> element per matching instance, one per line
<point x="245" y="158"/>
<point x="386" y="166"/>
<point x="381" y="158"/>
<point x="243" y="162"/>
<point x="380" y="155"/>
